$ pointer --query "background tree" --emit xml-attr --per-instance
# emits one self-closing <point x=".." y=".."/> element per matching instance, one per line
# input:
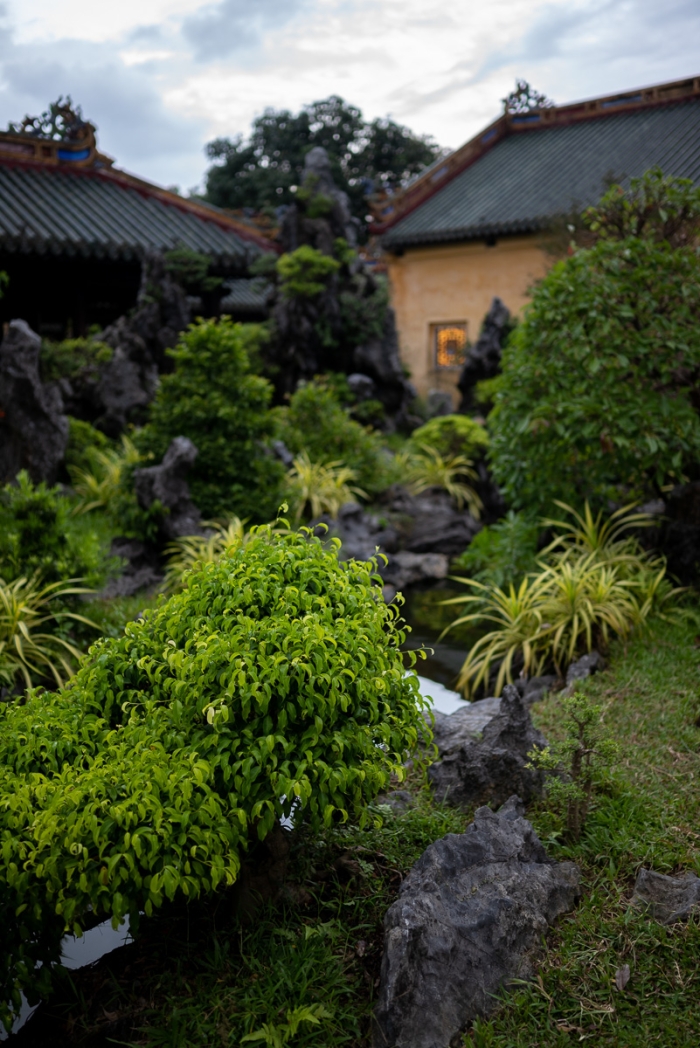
<point x="260" y="171"/>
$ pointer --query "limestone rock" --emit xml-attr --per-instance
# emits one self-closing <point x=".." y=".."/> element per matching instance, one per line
<point x="484" y="358"/>
<point x="470" y="916"/>
<point x="430" y="522"/>
<point x="584" y="667"/>
<point x="167" y="484"/>
<point x="492" y="767"/>
<point x="668" y="899"/>
<point x="33" y="427"/>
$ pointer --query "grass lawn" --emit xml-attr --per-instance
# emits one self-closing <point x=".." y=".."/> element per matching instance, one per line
<point x="195" y="977"/>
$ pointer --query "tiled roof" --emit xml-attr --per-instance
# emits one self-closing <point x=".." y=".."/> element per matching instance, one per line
<point x="532" y="174"/>
<point x="245" y="295"/>
<point x="110" y="214"/>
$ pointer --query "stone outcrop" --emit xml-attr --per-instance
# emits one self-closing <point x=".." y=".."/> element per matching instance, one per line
<point x="490" y="767"/>
<point x="429" y="522"/>
<point x="33" y="426"/>
<point x="311" y="335"/>
<point x="668" y="899"/>
<point x="141" y="568"/>
<point x="166" y="484"/>
<point x="584" y="667"/>
<point x="484" y="358"/>
<point x="120" y="390"/>
<point x="470" y="916"/>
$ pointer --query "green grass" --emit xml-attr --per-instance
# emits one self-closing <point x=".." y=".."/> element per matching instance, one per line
<point x="196" y="977"/>
<point x="647" y="814"/>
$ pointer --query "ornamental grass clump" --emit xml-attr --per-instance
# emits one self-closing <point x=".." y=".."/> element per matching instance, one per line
<point x="320" y="487"/>
<point x="426" y="468"/>
<point x="274" y="680"/>
<point x="190" y="552"/>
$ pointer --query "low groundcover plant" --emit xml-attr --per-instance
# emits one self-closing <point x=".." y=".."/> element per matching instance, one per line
<point x="274" y="679"/>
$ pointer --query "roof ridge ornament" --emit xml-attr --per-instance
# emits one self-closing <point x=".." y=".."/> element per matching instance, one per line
<point x="60" y="135"/>
<point x="525" y="99"/>
<point x="61" y="122"/>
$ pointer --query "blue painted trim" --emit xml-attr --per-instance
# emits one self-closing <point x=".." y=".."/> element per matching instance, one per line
<point x="70" y="154"/>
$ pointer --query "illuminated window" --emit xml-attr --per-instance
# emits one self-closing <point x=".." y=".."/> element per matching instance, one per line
<point x="450" y="341"/>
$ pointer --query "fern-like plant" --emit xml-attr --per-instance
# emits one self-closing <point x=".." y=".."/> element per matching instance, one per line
<point x="30" y="650"/>
<point x="193" y="551"/>
<point x="98" y="486"/>
<point x="607" y="539"/>
<point x="320" y="487"/>
<point x="427" y="468"/>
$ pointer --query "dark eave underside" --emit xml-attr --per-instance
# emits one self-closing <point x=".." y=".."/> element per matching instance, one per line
<point x="532" y="176"/>
<point x="45" y="211"/>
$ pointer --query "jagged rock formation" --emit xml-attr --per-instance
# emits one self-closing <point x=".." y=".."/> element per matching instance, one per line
<point x="33" y="426"/>
<point x="429" y="522"/>
<point x="490" y="767"/>
<point x="120" y="390"/>
<point x="484" y="358"/>
<point x="470" y="916"/>
<point x="312" y="334"/>
<point x="166" y="484"/>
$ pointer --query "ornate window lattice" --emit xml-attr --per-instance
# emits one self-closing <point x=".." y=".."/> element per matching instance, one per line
<point x="450" y="342"/>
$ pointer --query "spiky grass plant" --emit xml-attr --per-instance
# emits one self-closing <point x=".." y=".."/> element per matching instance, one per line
<point x="427" y="468"/>
<point x="98" y="486"/>
<point x="192" y="551"/>
<point x="314" y="488"/>
<point x="517" y="620"/>
<point x="30" y="651"/>
<point x="607" y="539"/>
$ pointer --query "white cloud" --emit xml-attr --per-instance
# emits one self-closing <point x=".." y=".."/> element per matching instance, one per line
<point x="162" y="77"/>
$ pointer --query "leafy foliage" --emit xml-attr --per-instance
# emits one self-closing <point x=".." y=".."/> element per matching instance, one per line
<point x="597" y="585"/>
<point x="320" y="487"/>
<point x="451" y="435"/>
<point x="83" y="439"/>
<point x="98" y="487"/>
<point x="656" y="207"/>
<point x="365" y="157"/>
<point x="304" y="273"/>
<point x="426" y="468"/>
<point x="574" y="763"/>
<point x="31" y="651"/>
<point x="278" y="1034"/>
<point x="38" y="536"/>
<point x="190" y="268"/>
<point x="71" y="357"/>
<point x="191" y="552"/>
<point x="596" y="395"/>
<point x="213" y="399"/>
<point x="503" y="552"/>
<point x="275" y="678"/>
<point x="315" y="423"/>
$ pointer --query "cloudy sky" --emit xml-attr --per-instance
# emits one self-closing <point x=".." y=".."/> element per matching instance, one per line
<point x="160" y="78"/>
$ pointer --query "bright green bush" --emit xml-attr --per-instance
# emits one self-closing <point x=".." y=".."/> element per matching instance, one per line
<point x="451" y="435"/>
<point x="305" y="272"/>
<point x="316" y="423"/>
<point x="38" y="534"/>
<point x="595" y="400"/>
<point x="275" y="677"/>
<point x="72" y="357"/>
<point x="213" y="399"/>
<point x="83" y="441"/>
<point x="502" y="553"/>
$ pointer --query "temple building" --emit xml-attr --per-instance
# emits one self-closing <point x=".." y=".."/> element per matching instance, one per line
<point x="74" y="228"/>
<point x="490" y="218"/>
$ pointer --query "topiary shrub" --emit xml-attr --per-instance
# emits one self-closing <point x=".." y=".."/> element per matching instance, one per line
<point x="597" y="396"/>
<point x="451" y="435"/>
<point x="274" y="678"/>
<point x="213" y="399"/>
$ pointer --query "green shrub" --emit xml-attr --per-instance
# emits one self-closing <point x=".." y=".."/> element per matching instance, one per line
<point x="316" y="423"/>
<point x="71" y="357"/>
<point x="319" y="487"/>
<point x="83" y="440"/>
<point x="426" y="468"/>
<point x="595" y="398"/>
<point x="213" y="399"/>
<point x="502" y="553"/>
<point x="275" y="678"/>
<point x="304" y="273"/>
<point x="451" y="435"/>
<point x="38" y="535"/>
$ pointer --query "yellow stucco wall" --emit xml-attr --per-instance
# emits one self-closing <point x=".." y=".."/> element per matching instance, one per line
<point x="455" y="283"/>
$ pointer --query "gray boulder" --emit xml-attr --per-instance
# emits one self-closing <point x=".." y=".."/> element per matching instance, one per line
<point x="490" y="767"/>
<point x="429" y="522"/>
<point x="584" y="667"/>
<point x="470" y="917"/>
<point x="33" y="427"/>
<point x="668" y="899"/>
<point x="166" y="483"/>
<point x="141" y="569"/>
<point x="406" y="569"/>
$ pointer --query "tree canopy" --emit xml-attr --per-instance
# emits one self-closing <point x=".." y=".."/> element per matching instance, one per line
<point x="263" y="171"/>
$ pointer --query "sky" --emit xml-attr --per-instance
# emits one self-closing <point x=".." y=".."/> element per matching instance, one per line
<point x="161" y="78"/>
